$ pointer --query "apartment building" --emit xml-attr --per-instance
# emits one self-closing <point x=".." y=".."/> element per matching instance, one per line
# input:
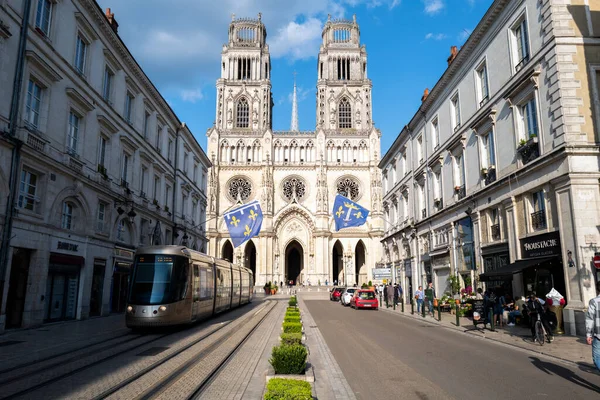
<point x="102" y="164"/>
<point x="495" y="179"/>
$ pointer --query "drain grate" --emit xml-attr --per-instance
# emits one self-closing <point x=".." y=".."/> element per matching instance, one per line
<point x="152" y="351"/>
<point x="11" y="342"/>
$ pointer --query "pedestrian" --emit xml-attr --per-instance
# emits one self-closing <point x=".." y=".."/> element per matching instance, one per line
<point x="479" y="295"/>
<point x="429" y="296"/>
<point x="281" y="285"/>
<point x="499" y="309"/>
<point x="335" y="282"/>
<point x="396" y="294"/>
<point x="419" y="296"/>
<point x="592" y="326"/>
<point x="400" y="292"/>
<point x="326" y="282"/>
<point x="389" y="295"/>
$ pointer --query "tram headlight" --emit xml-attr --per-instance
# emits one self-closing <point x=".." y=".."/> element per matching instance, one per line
<point x="129" y="309"/>
<point x="162" y="308"/>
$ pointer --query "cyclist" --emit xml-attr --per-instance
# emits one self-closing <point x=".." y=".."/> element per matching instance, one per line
<point x="533" y="308"/>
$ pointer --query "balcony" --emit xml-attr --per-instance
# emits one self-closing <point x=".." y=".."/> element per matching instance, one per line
<point x="529" y="150"/>
<point x="483" y="101"/>
<point x="124" y="184"/>
<point x="460" y="192"/>
<point x="522" y="63"/>
<point x="496" y="232"/>
<point x="488" y="174"/>
<point x="538" y="219"/>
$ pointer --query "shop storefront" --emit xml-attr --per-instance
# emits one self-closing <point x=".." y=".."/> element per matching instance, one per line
<point x="408" y="281"/>
<point x="440" y="265"/>
<point x="123" y="260"/>
<point x="496" y="258"/>
<point x="62" y="284"/>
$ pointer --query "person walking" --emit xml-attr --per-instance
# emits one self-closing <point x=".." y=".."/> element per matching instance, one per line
<point x="430" y="295"/>
<point x="390" y="295"/>
<point x="592" y="326"/>
<point x="419" y="296"/>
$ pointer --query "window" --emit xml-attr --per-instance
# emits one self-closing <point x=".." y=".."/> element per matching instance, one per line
<point x="146" y="124"/>
<point x="27" y="190"/>
<point x="455" y="104"/>
<point x="167" y="196"/>
<point x="343" y="69"/>
<point x="107" y="87"/>
<point x="404" y="169"/>
<point x="196" y="174"/>
<point x="158" y="137"/>
<point x="420" y="149"/>
<point x="170" y="149"/>
<point x="128" y="107"/>
<point x="34" y="104"/>
<point x="488" y="149"/>
<point x="43" y="16"/>
<point x="521" y="44"/>
<point x="156" y="187"/>
<point x="459" y="171"/>
<point x="102" y="151"/>
<point x="345" y="114"/>
<point x="435" y="133"/>
<point x="67" y="216"/>
<point x="495" y="224"/>
<point x="144" y="179"/>
<point x="529" y="123"/>
<point x="121" y="230"/>
<point x="437" y="185"/>
<point x="538" y="216"/>
<point x="242" y="113"/>
<point x="183" y="208"/>
<point x="80" y="54"/>
<point x="185" y="162"/>
<point x="101" y="217"/>
<point x="125" y="169"/>
<point x="422" y="200"/>
<point x="73" y="134"/>
<point x="194" y="209"/>
<point x="482" y="84"/>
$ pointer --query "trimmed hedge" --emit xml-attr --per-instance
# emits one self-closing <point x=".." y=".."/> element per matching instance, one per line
<point x="288" y="389"/>
<point x="289" y="359"/>
<point x="293" y="302"/>
<point x="292" y="309"/>
<point x="291" y="318"/>
<point x="292" y="327"/>
<point x="291" y="338"/>
<point x="292" y="314"/>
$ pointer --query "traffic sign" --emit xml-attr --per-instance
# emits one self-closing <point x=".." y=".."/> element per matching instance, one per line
<point x="597" y="261"/>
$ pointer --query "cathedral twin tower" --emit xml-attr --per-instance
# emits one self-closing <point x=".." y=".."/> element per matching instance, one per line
<point x="294" y="174"/>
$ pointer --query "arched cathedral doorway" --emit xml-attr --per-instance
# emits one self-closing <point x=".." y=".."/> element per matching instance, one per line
<point x="359" y="263"/>
<point x="294" y="262"/>
<point x="227" y="251"/>
<point x="337" y="263"/>
<point x="250" y="257"/>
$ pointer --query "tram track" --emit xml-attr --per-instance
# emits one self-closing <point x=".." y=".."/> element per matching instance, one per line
<point x="181" y="368"/>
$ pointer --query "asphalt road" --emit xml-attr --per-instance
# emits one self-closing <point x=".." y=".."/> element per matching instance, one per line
<point x="385" y="356"/>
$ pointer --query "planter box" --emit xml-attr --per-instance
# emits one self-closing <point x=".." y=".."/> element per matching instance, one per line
<point x="309" y="374"/>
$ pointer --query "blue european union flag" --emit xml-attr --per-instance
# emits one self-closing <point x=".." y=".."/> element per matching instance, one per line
<point x="244" y="222"/>
<point x="347" y="213"/>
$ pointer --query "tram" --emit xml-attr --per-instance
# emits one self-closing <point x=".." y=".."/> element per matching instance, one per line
<point x="174" y="285"/>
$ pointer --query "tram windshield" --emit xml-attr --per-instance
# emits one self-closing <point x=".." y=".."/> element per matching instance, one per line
<point x="158" y="279"/>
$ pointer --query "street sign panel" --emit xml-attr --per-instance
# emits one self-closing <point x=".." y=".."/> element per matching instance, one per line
<point x="597" y="262"/>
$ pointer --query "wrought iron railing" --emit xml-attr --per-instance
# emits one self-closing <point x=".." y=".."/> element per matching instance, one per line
<point x="538" y="219"/>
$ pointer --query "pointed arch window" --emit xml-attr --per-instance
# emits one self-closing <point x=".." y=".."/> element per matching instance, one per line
<point x="345" y="114"/>
<point x="242" y="113"/>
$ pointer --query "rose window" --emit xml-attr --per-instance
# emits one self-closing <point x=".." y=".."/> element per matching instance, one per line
<point x="240" y="189"/>
<point x="349" y="188"/>
<point x="294" y="188"/>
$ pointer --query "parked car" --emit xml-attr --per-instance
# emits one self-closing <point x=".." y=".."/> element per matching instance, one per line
<point x="364" y="299"/>
<point x="347" y="295"/>
<point x="336" y="293"/>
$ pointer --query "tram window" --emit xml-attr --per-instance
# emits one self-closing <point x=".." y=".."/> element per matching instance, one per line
<point x="196" y="283"/>
<point x="206" y="284"/>
<point x="158" y="280"/>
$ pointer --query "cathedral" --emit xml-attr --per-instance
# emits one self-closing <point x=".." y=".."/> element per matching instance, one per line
<point x="296" y="174"/>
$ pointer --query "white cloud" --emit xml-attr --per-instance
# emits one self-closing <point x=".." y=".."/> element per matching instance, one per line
<point x="395" y="3"/>
<point x="301" y="94"/>
<point x="191" y="95"/>
<point x="433" y="6"/>
<point x="435" y="36"/>
<point x="297" y="40"/>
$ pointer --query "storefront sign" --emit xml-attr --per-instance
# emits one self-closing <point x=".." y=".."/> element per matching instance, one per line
<point x="122" y="253"/>
<point x="63" y="246"/>
<point x="382" y="273"/>
<point x="547" y="244"/>
<point x="67" y="246"/>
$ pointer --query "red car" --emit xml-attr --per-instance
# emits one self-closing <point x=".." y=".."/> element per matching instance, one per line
<point x="336" y="293"/>
<point x="364" y="299"/>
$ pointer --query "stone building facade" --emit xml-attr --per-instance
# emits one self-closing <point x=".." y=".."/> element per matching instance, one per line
<point x="494" y="180"/>
<point x="294" y="174"/>
<point x="104" y="165"/>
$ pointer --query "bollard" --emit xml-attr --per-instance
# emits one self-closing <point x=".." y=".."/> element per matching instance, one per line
<point x="412" y="306"/>
<point x="456" y="306"/>
<point x="492" y="322"/>
<point x="439" y="313"/>
<point x="394" y="304"/>
<point x="423" y="309"/>
<point x="402" y="305"/>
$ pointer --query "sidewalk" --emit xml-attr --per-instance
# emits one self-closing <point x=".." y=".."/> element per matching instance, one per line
<point x="572" y="349"/>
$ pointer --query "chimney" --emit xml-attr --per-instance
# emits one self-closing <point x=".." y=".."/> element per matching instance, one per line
<point x="453" y="53"/>
<point x="425" y="94"/>
<point x="111" y="20"/>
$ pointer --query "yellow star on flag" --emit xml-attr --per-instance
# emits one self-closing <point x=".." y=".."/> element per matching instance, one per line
<point x="235" y="221"/>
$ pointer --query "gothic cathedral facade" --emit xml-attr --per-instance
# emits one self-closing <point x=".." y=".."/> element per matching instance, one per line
<point x="295" y="174"/>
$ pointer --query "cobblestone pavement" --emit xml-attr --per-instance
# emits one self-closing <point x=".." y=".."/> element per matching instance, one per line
<point x="89" y="372"/>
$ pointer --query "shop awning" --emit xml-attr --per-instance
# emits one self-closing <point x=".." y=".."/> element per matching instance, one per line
<point x="506" y="273"/>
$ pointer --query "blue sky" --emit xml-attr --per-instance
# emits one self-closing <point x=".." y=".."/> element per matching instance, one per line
<point x="178" y="44"/>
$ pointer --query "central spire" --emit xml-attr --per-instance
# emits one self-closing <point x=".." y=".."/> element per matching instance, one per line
<point x="294" y="125"/>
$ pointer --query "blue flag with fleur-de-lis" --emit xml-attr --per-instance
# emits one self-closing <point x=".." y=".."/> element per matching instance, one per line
<point x="347" y="213"/>
<point x="244" y="222"/>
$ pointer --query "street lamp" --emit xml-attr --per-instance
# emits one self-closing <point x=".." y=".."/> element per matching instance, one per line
<point x="131" y="214"/>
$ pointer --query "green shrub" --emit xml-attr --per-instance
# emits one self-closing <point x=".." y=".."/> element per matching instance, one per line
<point x="291" y="318"/>
<point x="370" y="283"/>
<point x="289" y="359"/>
<point x="291" y="338"/>
<point x="292" y="309"/>
<point x="292" y="314"/>
<point x="292" y="327"/>
<point x="293" y="302"/>
<point x="288" y="389"/>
